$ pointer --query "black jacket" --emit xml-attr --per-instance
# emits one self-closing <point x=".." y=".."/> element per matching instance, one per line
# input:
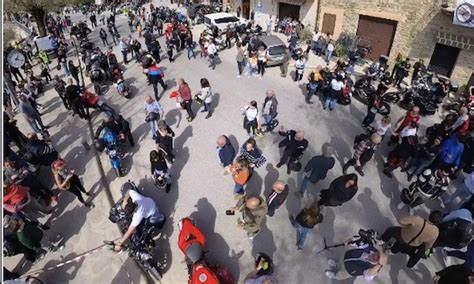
<point x="227" y="153"/>
<point x="296" y="148"/>
<point x="275" y="199"/>
<point x="318" y="167"/>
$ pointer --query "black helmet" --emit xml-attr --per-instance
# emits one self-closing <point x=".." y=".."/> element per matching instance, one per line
<point x="160" y="183"/>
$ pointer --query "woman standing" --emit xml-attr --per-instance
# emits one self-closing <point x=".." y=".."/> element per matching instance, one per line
<point x="341" y="190"/>
<point x="159" y="169"/>
<point x="252" y="154"/>
<point x="251" y="117"/>
<point x="67" y="180"/>
<point x="164" y="139"/>
<point x="261" y="61"/>
<point x="205" y="94"/>
<point x="305" y="221"/>
<point x="74" y="70"/>
<point x="186" y="100"/>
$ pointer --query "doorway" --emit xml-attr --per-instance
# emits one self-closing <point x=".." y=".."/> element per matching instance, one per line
<point x="288" y="10"/>
<point x="246" y="9"/>
<point x="443" y="59"/>
<point x="379" y="32"/>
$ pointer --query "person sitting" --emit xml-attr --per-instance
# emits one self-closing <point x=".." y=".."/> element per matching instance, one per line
<point x="144" y="211"/>
<point x="118" y="125"/>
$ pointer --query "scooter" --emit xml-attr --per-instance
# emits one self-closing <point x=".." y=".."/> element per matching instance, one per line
<point x="110" y="144"/>
<point x="191" y="242"/>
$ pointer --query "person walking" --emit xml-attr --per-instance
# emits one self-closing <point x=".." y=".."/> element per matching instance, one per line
<point x="304" y="222"/>
<point x="153" y="112"/>
<point x="185" y="98"/>
<point x="334" y="92"/>
<point x="226" y="152"/>
<point x="251" y="118"/>
<point x="364" y="152"/>
<point x="253" y="210"/>
<point x="317" y="169"/>
<point x="277" y="196"/>
<point x="415" y="237"/>
<point x="341" y="190"/>
<point x="31" y="114"/>
<point x="74" y="70"/>
<point x="295" y="144"/>
<point x="262" y="56"/>
<point x="66" y="179"/>
<point x="164" y="139"/>
<point x="211" y="54"/>
<point x="103" y="37"/>
<point x="240" y="58"/>
<point x="155" y="76"/>
<point x="241" y="175"/>
<point x="205" y="95"/>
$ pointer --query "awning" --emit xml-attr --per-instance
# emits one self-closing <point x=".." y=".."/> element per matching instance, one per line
<point x="293" y="2"/>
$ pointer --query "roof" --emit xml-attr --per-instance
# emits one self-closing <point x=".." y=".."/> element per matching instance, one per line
<point x="219" y="15"/>
<point x="271" y="40"/>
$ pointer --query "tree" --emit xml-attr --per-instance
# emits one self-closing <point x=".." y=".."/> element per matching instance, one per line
<point x="37" y="8"/>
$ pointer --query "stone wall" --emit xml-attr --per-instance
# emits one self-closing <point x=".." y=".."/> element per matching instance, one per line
<point x="421" y="24"/>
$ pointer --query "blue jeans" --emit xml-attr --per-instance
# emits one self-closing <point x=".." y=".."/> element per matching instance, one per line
<point x="208" y="107"/>
<point x="301" y="234"/>
<point x="190" y="52"/>
<point x="304" y="184"/>
<point x="330" y="102"/>
<point x="239" y="189"/>
<point x="152" y="126"/>
<point x="36" y="124"/>
<point x="267" y="118"/>
<point x="328" y="56"/>
<point x="65" y="69"/>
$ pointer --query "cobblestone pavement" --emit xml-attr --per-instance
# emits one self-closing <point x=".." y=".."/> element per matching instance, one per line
<point x="201" y="190"/>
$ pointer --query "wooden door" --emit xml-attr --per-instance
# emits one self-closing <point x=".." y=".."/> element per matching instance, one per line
<point x="329" y="23"/>
<point x="379" y="32"/>
<point x="246" y="9"/>
<point x="443" y="59"/>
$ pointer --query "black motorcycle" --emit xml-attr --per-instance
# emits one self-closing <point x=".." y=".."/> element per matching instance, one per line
<point x="141" y="244"/>
<point x="366" y="92"/>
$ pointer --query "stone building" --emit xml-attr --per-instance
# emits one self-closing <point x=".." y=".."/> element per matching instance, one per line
<point x="415" y="28"/>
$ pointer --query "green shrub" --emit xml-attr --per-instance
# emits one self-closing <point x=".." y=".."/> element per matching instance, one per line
<point x="9" y="35"/>
<point x="305" y="35"/>
<point x="340" y="50"/>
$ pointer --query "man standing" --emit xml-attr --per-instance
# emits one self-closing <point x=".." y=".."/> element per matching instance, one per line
<point x="124" y="48"/>
<point x="240" y="58"/>
<point x="226" y="151"/>
<point x="364" y="151"/>
<point x="329" y="51"/>
<point x="211" y="53"/>
<point x="270" y="107"/>
<point x="155" y="76"/>
<point x="277" y="197"/>
<point x="73" y="97"/>
<point x="285" y="63"/>
<point x="31" y="115"/>
<point x="253" y="210"/>
<point x="317" y="169"/>
<point x="295" y="144"/>
<point x="103" y="37"/>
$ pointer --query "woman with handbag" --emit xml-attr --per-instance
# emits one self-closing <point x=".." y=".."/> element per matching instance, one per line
<point x="153" y="112"/>
<point x="205" y="95"/>
<point x="185" y="98"/>
<point x="251" y="116"/>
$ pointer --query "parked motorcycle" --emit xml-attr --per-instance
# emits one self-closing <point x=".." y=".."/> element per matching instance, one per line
<point x="93" y="101"/>
<point x="141" y="244"/>
<point x="110" y="144"/>
<point x="191" y="242"/>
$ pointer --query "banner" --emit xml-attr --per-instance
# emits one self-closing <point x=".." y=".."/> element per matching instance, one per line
<point x="464" y="13"/>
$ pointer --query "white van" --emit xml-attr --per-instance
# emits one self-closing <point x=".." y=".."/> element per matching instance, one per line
<point x="222" y="21"/>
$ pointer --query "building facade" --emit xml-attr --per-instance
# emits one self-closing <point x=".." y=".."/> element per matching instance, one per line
<point x="414" y="28"/>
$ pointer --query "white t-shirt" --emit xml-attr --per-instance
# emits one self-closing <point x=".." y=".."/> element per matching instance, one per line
<point x="211" y="49"/>
<point x="330" y="47"/>
<point x="251" y="113"/>
<point x="145" y="207"/>
<point x="381" y="129"/>
<point x="336" y="85"/>
<point x="316" y="36"/>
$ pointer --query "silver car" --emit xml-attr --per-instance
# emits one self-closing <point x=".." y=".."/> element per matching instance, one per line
<point x="275" y="48"/>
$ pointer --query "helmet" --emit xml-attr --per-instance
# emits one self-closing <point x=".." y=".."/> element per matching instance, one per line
<point x="160" y="183"/>
<point x="109" y="137"/>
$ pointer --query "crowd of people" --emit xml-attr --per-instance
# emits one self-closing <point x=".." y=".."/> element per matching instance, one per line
<point x="431" y="160"/>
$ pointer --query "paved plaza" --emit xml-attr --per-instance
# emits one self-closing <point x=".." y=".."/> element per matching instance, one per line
<point x="200" y="188"/>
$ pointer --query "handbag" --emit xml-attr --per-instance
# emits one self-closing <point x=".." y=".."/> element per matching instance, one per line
<point x="152" y="116"/>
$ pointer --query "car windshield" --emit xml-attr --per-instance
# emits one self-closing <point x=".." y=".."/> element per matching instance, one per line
<point x="226" y="20"/>
<point x="276" y="50"/>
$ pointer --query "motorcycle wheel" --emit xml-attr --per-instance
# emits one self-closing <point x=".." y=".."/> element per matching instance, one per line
<point x="358" y="95"/>
<point x="384" y="109"/>
<point x="118" y="172"/>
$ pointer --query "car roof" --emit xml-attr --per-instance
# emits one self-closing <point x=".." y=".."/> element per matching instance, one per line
<point x="219" y="15"/>
<point x="271" y="40"/>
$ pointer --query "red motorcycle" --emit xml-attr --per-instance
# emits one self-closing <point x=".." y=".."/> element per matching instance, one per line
<point x="191" y="242"/>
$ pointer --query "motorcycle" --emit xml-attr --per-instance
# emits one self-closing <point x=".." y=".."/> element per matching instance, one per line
<point x="93" y="101"/>
<point x="367" y="92"/>
<point x="141" y="244"/>
<point x="110" y="144"/>
<point x="191" y="242"/>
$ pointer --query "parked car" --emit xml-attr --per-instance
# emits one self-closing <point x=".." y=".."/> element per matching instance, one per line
<point x="275" y="48"/>
<point x="222" y="21"/>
